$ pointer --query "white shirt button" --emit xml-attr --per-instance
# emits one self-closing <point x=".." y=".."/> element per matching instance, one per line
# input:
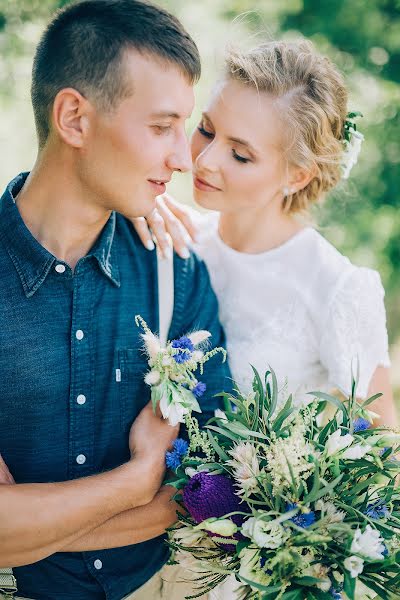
<point x="81" y="399"/>
<point x="79" y="334"/>
<point x="60" y="268"/>
<point x="81" y="459"/>
<point x="98" y="564"/>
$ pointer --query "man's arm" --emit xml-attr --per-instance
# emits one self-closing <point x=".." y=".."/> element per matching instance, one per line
<point x="132" y="526"/>
<point x="37" y="520"/>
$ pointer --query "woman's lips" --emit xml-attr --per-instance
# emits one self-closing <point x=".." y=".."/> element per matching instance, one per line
<point x="202" y="185"/>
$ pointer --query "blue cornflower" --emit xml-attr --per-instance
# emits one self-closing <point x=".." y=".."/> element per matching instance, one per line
<point x="336" y="595"/>
<point x="361" y="424"/>
<point x="173" y="460"/>
<point x="377" y="510"/>
<point x="199" y="389"/>
<point x="303" y="520"/>
<point x="185" y="348"/>
<point x="263" y="560"/>
<point x="181" y="446"/>
<point x="386" y="551"/>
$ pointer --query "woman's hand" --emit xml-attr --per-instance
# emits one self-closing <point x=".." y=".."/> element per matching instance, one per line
<point x="168" y="220"/>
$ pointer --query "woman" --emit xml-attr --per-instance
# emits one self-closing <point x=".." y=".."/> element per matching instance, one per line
<point x="269" y="145"/>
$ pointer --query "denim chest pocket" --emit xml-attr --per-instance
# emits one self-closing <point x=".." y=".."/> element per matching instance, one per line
<point x="133" y="392"/>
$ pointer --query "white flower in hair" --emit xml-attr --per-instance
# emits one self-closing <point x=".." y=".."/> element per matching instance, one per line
<point x="352" y="141"/>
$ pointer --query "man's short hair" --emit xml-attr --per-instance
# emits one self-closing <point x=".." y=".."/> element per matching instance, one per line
<point x="83" y="48"/>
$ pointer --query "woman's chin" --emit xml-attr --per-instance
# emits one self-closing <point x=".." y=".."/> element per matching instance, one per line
<point x="206" y="200"/>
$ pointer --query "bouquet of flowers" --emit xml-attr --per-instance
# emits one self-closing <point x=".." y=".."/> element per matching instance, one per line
<point x="292" y="508"/>
<point x="174" y="385"/>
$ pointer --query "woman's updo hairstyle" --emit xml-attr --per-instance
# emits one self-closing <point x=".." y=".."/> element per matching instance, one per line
<point x="311" y="101"/>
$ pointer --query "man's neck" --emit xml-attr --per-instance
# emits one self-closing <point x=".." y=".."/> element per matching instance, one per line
<point x="59" y="212"/>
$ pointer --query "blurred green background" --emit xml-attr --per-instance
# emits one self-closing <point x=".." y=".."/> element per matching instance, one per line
<point x="362" y="217"/>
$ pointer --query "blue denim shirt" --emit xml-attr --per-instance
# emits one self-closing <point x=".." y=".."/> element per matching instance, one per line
<point x="64" y="413"/>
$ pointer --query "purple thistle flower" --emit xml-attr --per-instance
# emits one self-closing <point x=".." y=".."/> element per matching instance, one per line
<point x="185" y="348"/>
<point x="377" y="510"/>
<point x="303" y="520"/>
<point x="181" y="446"/>
<point x="361" y="424"/>
<point x="173" y="460"/>
<point x="199" y="389"/>
<point x="207" y="496"/>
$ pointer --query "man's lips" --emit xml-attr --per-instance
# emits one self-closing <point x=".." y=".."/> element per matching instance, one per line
<point x="159" y="185"/>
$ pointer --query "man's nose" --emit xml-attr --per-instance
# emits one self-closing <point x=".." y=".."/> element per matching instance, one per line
<point x="180" y="158"/>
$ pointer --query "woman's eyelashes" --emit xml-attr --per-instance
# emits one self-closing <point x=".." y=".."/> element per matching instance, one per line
<point x="209" y="135"/>
<point x="239" y="158"/>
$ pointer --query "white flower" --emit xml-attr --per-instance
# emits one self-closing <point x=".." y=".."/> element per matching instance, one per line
<point x="357" y="451"/>
<point x="152" y="378"/>
<point x="351" y="152"/>
<point x="152" y="343"/>
<point x="197" y="337"/>
<point x="337" y="442"/>
<point x="369" y="544"/>
<point x="320" y="572"/>
<point x="167" y="360"/>
<point x="197" y="355"/>
<point x="246" y="466"/>
<point x="355" y="565"/>
<point x="220" y="414"/>
<point x="173" y="411"/>
<point x="243" y="453"/>
<point x="190" y="472"/>
<point x="330" y="513"/>
<point x="224" y="527"/>
<point x="187" y="536"/>
<point x="250" y="564"/>
<point x="264" y="534"/>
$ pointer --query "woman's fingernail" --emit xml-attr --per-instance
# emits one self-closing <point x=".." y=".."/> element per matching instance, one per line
<point x="150" y="245"/>
<point x="185" y="253"/>
<point x="167" y="252"/>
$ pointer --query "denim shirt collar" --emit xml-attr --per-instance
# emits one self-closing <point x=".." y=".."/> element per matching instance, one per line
<point x="31" y="260"/>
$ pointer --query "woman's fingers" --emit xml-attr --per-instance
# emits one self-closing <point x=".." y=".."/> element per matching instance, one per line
<point x="183" y="214"/>
<point x="143" y="231"/>
<point x="157" y="225"/>
<point x="179" y="236"/>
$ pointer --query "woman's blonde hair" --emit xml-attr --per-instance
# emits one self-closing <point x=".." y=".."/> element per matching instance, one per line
<point x="312" y="104"/>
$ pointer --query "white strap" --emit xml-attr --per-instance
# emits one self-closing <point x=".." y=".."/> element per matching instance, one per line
<point x="165" y="268"/>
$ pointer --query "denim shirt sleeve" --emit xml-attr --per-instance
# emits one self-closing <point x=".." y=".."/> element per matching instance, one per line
<point x="196" y="307"/>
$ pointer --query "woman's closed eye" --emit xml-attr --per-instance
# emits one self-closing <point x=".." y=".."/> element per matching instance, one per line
<point x="240" y="158"/>
<point x="207" y="134"/>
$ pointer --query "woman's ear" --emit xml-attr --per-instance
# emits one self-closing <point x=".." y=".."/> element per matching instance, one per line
<point x="70" y="117"/>
<point x="300" y="178"/>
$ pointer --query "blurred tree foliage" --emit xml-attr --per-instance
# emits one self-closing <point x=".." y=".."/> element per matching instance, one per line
<point x="362" y="37"/>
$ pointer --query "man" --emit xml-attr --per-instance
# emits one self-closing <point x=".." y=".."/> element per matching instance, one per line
<point x="111" y="91"/>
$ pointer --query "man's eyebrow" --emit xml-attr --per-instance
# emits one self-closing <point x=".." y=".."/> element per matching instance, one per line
<point x="235" y="140"/>
<point x="166" y="114"/>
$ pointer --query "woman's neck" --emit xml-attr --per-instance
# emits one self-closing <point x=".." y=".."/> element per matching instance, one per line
<point x="253" y="232"/>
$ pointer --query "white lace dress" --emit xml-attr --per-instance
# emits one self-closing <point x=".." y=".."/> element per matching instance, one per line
<point x="301" y="308"/>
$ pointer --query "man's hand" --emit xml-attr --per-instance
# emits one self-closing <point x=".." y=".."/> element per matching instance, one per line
<point x="5" y="475"/>
<point x="151" y="435"/>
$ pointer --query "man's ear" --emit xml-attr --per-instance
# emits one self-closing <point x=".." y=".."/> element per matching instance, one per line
<point x="71" y="116"/>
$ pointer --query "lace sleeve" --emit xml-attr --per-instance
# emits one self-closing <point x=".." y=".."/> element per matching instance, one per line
<point x="355" y="331"/>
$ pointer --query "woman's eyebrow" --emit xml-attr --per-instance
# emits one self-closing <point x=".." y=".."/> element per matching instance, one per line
<point x="235" y="140"/>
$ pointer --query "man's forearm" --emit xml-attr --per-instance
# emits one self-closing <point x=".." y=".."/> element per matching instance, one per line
<point x="37" y="520"/>
<point x="132" y="526"/>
